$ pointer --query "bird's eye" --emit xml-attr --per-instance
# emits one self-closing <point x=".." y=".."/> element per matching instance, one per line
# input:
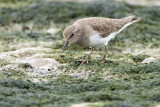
<point x="72" y="34"/>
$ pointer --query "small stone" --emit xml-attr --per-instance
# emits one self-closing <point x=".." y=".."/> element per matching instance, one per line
<point x="82" y="75"/>
<point x="109" y="77"/>
<point x="149" y="59"/>
<point x="157" y="106"/>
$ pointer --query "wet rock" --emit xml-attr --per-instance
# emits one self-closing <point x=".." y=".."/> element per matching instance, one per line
<point x="18" y="53"/>
<point x="44" y="62"/>
<point x="35" y="64"/>
<point x="42" y="66"/>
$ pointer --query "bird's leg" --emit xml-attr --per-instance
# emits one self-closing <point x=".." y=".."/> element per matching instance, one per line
<point x="86" y="60"/>
<point x="106" y="50"/>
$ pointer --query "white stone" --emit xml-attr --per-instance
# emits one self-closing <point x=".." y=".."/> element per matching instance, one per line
<point x="148" y="60"/>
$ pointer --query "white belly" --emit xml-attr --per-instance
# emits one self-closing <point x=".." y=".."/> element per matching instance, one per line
<point x="96" y="39"/>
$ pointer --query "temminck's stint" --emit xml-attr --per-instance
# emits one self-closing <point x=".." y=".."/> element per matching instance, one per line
<point x="95" y="31"/>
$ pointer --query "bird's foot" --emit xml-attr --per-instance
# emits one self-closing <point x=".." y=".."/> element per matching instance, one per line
<point x="104" y="59"/>
<point x="86" y="60"/>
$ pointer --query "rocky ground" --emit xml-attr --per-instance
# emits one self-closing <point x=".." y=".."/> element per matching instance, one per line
<point x="35" y="72"/>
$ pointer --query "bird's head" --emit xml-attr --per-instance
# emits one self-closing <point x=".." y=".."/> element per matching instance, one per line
<point x="71" y="35"/>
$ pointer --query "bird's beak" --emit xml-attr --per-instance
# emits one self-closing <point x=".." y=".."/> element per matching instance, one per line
<point x="65" y="45"/>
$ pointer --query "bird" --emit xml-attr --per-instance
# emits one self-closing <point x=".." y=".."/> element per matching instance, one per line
<point x="95" y="31"/>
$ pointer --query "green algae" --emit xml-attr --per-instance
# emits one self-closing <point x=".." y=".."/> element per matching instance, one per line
<point x="25" y="65"/>
<point x="3" y="62"/>
<point x="139" y="58"/>
<point x="132" y="83"/>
